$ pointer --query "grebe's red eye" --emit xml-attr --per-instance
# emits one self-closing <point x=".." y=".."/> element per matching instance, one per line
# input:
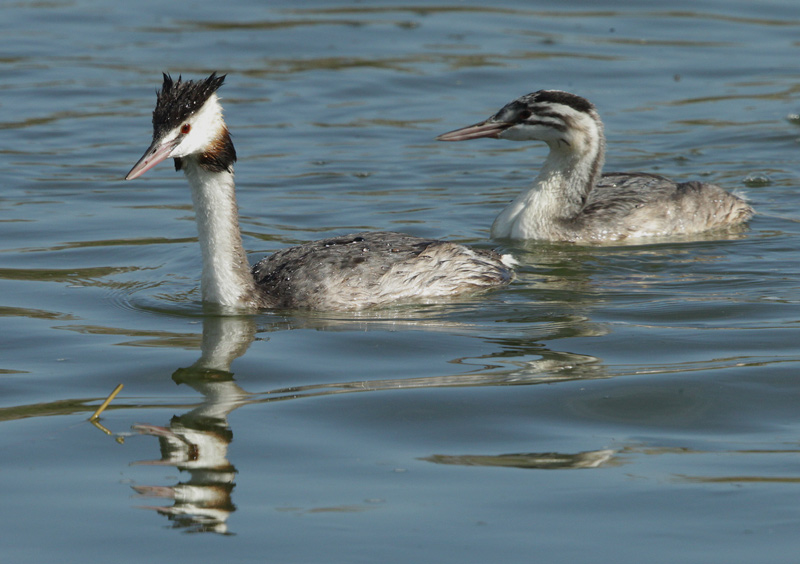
<point x="186" y="128"/>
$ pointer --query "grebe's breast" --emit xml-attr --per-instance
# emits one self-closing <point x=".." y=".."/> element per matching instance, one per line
<point x="369" y="269"/>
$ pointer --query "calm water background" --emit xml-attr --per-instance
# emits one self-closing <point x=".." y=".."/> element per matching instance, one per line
<point x="615" y="404"/>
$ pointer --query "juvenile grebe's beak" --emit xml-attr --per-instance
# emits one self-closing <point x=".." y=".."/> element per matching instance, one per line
<point x="489" y="128"/>
<point x="154" y="154"/>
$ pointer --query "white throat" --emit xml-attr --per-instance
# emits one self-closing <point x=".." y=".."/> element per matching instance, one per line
<point x="559" y="192"/>
<point x="226" y="278"/>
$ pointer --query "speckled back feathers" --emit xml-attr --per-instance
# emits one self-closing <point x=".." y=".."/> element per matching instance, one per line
<point x="373" y="269"/>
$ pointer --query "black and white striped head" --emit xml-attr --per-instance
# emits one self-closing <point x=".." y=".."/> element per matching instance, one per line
<point x="187" y="121"/>
<point x="562" y="120"/>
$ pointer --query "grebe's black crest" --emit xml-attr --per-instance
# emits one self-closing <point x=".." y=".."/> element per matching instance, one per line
<point x="564" y="98"/>
<point x="176" y="101"/>
<point x="532" y="107"/>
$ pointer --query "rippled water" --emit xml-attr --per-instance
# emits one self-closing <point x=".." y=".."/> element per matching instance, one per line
<point x="618" y="403"/>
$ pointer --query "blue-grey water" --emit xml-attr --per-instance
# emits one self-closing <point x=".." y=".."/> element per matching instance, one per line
<point x="627" y="404"/>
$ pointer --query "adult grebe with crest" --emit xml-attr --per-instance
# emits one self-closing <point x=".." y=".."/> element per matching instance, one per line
<point x="351" y="272"/>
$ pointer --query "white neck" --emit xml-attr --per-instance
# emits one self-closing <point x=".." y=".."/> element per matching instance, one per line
<point x="226" y="278"/>
<point x="557" y="196"/>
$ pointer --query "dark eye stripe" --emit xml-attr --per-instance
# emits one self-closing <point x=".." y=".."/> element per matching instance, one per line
<point x="551" y="114"/>
<point x="557" y="125"/>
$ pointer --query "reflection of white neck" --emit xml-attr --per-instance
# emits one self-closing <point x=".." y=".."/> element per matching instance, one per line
<point x="225" y="338"/>
<point x="226" y="278"/>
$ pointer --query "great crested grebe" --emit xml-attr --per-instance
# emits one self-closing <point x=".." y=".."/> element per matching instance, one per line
<point x="351" y="272"/>
<point x="571" y="200"/>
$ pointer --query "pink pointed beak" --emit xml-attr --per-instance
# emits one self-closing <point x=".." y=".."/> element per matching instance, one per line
<point x="154" y="154"/>
<point x="488" y="128"/>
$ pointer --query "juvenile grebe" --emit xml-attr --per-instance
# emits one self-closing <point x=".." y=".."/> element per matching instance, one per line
<point x="572" y="201"/>
<point x="343" y="273"/>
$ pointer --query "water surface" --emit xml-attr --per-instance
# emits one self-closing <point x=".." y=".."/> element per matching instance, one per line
<point x="632" y="401"/>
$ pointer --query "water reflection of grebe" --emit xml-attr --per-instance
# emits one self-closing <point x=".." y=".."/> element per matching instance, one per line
<point x="197" y="442"/>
